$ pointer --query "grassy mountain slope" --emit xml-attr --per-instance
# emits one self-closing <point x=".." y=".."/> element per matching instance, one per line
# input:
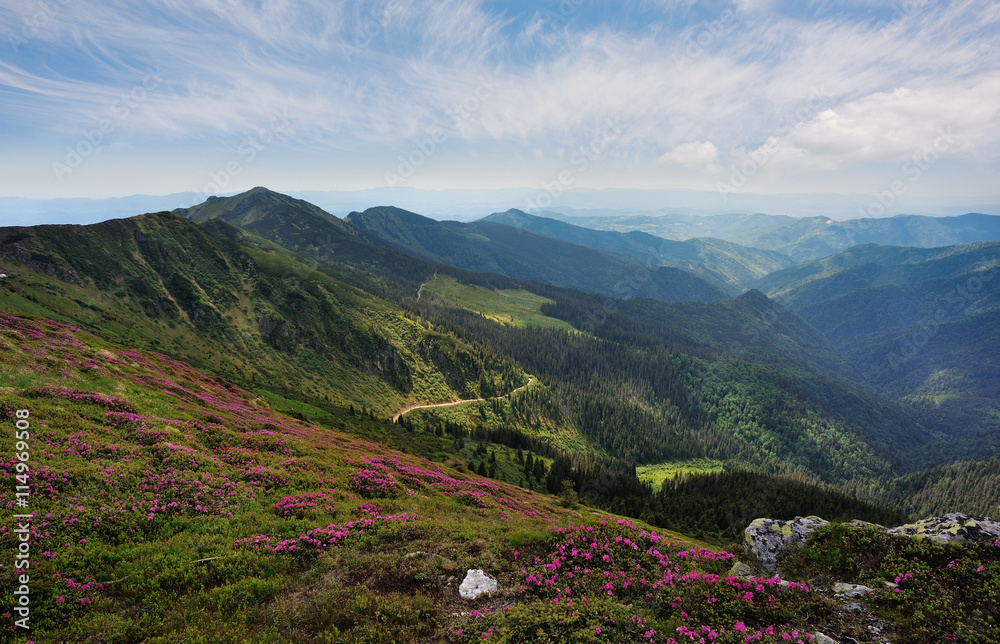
<point x="486" y="246"/>
<point x="713" y="259"/>
<point x="260" y="318"/>
<point x="314" y="237"/>
<point x="870" y="266"/>
<point x="171" y="505"/>
<point x="200" y="514"/>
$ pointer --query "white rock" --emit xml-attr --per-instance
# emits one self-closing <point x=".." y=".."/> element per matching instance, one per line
<point x="822" y="638"/>
<point x="477" y="583"/>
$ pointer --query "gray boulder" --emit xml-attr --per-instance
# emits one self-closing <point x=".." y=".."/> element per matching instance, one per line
<point x="766" y="539"/>
<point x="953" y="527"/>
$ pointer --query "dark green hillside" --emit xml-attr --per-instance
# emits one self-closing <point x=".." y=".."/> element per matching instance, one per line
<point x="972" y="487"/>
<point x="260" y="318"/>
<point x="774" y="392"/>
<point x="722" y="504"/>
<point x="921" y="325"/>
<point x="854" y="319"/>
<point x="689" y="393"/>
<point x="717" y="261"/>
<point x="518" y="253"/>
<point x="869" y="266"/>
<point x="948" y="376"/>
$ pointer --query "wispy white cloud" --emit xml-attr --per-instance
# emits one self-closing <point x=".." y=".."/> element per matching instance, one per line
<point x="699" y="88"/>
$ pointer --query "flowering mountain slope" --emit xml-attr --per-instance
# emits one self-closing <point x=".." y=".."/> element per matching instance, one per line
<point x="162" y="504"/>
<point x="164" y="499"/>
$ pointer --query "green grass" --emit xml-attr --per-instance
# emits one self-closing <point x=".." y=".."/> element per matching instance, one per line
<point x="656" y="472"/>
<point x="515" y="307"/>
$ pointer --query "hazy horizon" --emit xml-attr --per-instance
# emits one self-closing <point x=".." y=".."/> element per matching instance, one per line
<point x="469" y="204"/>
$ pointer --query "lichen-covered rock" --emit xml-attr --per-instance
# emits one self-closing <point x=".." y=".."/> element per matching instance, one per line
<point x="953" y="527"/>
<point x="766" y="539"/>
<point x="822" y="638"/>
<point x="852" y="591"/>
<point x="477" y="583"/>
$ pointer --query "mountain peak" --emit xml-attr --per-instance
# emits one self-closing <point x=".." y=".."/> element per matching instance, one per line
<point x="255" y="205"/>
<point x="387" y="215"/>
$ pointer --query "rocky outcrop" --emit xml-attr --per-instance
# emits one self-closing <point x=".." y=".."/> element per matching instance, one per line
<point x="954" y="527"/>
<point x="766" y="539"/>
<point x="477" y="583"/>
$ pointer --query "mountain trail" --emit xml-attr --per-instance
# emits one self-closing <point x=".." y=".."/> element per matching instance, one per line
<point x="406" y="410"/>
<point x="421" y="289"/>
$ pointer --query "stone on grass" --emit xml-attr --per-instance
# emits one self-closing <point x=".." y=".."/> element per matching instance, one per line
<point x="740" y="569"/>
<point x="823" y="638"/>
<point x="477" y="583"/>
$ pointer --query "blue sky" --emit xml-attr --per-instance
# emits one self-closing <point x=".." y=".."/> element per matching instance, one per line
<point x="107" y="98"/>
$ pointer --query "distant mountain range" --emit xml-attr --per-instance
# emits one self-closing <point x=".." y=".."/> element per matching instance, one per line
<point x="807" y="237"/>
<point x="719" y="262"/>
<point x="519" y="253"/>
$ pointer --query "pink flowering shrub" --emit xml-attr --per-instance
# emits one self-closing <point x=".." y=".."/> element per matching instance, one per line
<point x="373" y="483"/>
<point x="626" y="583"/>
<point x="307" y="503"/>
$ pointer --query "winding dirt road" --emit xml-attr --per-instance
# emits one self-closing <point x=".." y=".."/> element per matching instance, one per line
<point x="420" y="291"/>
<point x="406" y="410"/>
